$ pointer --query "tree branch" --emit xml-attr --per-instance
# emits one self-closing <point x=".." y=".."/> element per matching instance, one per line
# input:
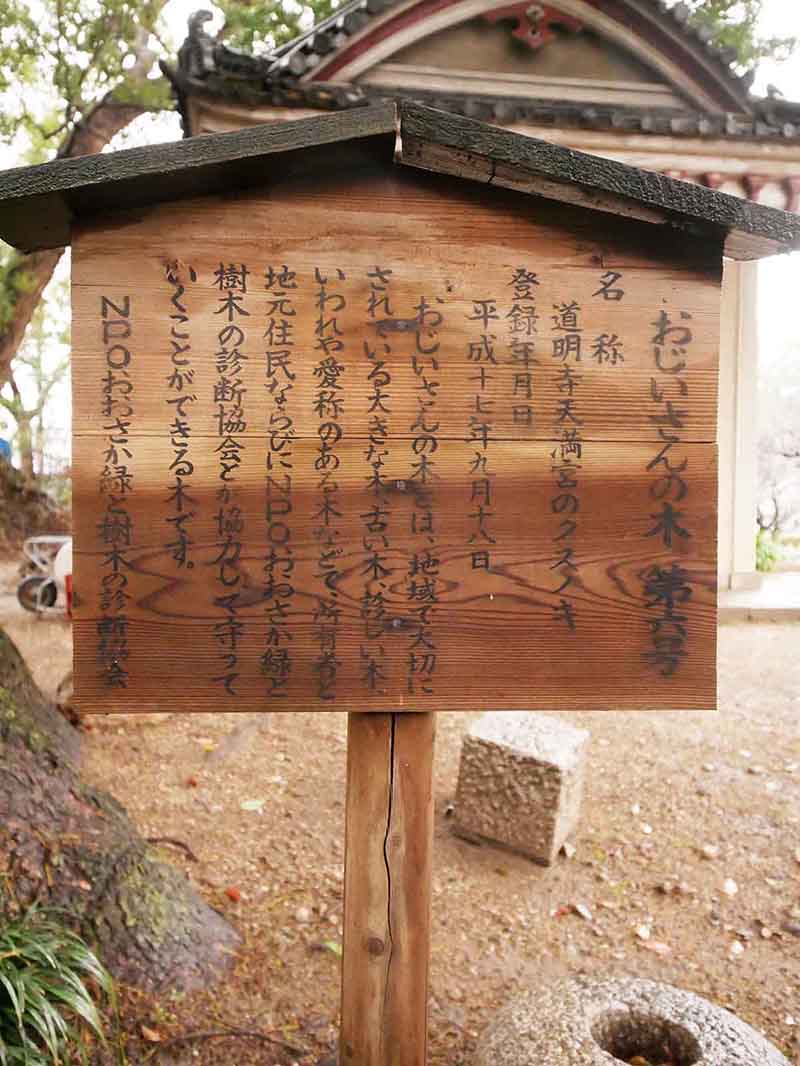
<point x="37" y="269"/>
<point x="252" y="1034"/>
<point x="88" y="137"/>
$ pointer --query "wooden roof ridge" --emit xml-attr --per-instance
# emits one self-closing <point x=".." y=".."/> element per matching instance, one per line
<point x="445" y="142"/>
<point x="38" y="205"/>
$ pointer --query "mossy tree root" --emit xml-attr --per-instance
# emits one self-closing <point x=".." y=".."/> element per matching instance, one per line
<point x="68" y="845"/>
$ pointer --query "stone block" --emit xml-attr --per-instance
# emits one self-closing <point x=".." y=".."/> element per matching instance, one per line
<point x="520" y="782"/>
<point x="596" y="1022"/>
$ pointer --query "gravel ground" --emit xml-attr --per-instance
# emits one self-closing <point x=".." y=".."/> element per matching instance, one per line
<point x="686" y="868"/>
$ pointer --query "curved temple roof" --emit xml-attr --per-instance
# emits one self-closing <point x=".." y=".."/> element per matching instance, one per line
<point x="313" y="70"/>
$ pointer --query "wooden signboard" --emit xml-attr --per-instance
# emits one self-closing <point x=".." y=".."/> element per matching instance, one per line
<point x="353" y="436"/>
<point x="385" y="441"/>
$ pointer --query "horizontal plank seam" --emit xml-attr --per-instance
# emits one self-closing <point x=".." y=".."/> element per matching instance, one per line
<point x="99" y="435"/>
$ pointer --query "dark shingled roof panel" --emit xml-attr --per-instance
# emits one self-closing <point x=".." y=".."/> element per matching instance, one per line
<point x="38" y="205"/>
<point x="751" y="230"/>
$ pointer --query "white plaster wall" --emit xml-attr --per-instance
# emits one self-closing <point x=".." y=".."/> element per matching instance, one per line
<point x="738" y="426"/>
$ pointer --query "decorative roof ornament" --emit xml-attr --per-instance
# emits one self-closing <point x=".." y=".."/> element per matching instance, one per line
<point x="196" y="54"/>
<point x="534" y="22"/>
<point x="206" y="64"/>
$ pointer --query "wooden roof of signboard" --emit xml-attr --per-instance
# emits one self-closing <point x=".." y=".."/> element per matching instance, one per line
<point x="39" y="205"/>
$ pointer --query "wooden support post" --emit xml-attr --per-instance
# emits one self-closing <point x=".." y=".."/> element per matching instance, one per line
<point x="388" y="846"/>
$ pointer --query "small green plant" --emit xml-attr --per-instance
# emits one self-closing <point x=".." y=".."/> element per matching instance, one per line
<point x="769" y="550"/>
<point x="45" y="1003"/>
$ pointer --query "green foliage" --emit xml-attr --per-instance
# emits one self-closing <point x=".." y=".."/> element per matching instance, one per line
<point x="769" y="550"/>
<point x="263" y="25"/>
<point x="58" y="58"/>
<point x="14" y="279"/>
<point x="45" y="1004"/>
<point x="734" y="24"/>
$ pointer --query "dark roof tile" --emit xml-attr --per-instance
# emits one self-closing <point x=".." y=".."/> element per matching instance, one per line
<point x="208" y="67"/>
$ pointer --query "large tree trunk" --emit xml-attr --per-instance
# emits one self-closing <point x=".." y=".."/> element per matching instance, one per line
<point x="67" y="844"/>
<point x="25" y="281"/>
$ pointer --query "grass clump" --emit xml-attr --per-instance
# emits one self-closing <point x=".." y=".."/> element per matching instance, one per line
<point x="47" y="975"/>
<point x="769" y="551"/>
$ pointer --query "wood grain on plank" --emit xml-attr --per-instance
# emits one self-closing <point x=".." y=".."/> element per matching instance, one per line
<point x="615" y="513"/>
<point x="367" y="934"/>
<point x="383" y="205"/>
<point x="38" y="204"/>
<point x="499" y="637"/>
<point x="457" y="252"/>
<point x="41" y="206"/>
<point x="388" y="847"/>
<point x="612" y="398"/>
<point x="490" y="656"/>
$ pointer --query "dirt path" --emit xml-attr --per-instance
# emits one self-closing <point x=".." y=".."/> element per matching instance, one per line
<point x="689" y="837"/>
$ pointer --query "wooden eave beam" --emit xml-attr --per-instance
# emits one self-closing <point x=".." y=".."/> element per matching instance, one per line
<point x="447" y="143"/>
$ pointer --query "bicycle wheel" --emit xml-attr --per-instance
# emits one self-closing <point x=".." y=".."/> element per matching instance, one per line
<point x="36" y="592"/>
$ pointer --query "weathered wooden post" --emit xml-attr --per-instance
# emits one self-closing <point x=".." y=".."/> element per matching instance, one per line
<point x="352" y="436"/>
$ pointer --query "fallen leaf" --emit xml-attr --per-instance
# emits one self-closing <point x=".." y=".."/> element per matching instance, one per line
<point x="233" y="894"/>
<point x="152" y="1035"/>
<point x="253" y="805"/>
<point x="191" y="782"/>
<point x="658" y="947"/>
<point x="333" y="946"/>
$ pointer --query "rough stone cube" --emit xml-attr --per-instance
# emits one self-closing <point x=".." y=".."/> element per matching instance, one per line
<point x="520" y="782"/>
